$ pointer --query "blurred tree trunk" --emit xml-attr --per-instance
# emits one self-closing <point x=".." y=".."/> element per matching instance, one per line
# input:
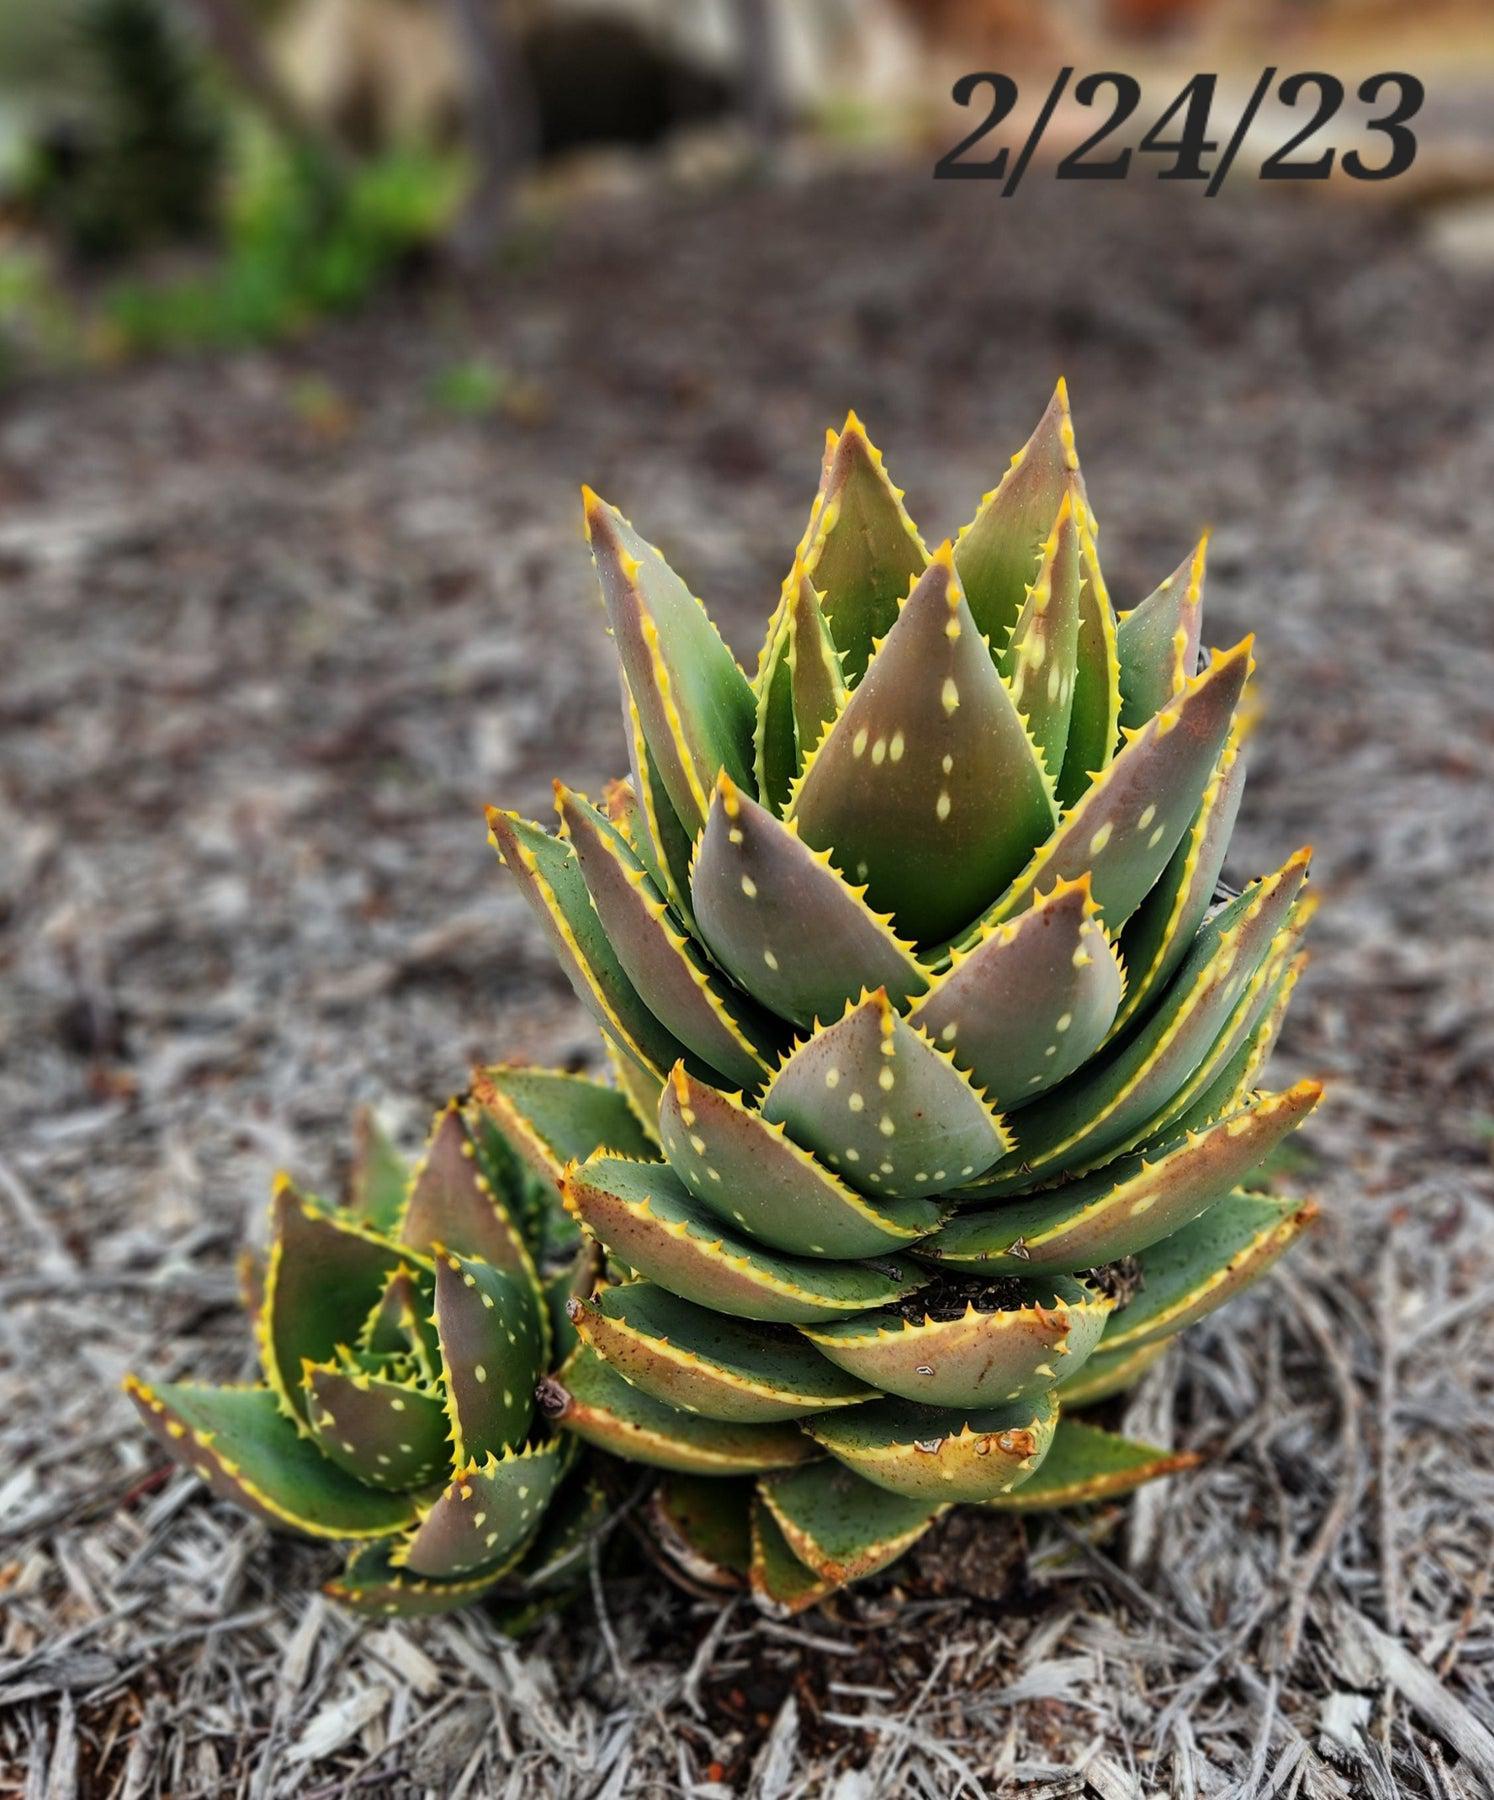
<point x="761" y="82"/>
<point x="501" y="122"/>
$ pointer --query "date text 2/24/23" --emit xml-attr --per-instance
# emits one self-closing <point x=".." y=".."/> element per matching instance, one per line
<point x="1179" y="136"/>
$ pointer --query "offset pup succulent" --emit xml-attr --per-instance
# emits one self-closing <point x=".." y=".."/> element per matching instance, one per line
<point x="401" y="1339"/>
<point x="938" y="1048"/>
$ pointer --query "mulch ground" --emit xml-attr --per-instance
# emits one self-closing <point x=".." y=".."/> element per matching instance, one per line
<point x="278" y="624"/>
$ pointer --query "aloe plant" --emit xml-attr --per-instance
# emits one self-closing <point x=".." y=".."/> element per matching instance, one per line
<point x="401" y="1339"/>
<point x="927" y="1016"/>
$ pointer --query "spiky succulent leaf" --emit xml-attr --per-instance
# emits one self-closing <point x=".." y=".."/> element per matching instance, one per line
<point x="323" y="1276"/>
<point x="884" y="1106"/>
<point x="244" y="1447"/>
<point x="1087" y="1464"/>
<point x="940" y="1454"/>
<point x="781" y="1584"/>
<point x="1206" y="1263"/>
<point x="663" y="842"/>
<point x="930" y="743"/>
<point x="839" y="1526"/>
<point x="694" y="704"/>
<point x="1030" y="1000"/>
<point x="1040" y="659"/>
<point x="784" y="923"/>
<point x="378" y="1178"/>
<point x="703" y="1524"/>
<point x="1125" y="827"/>
<point x="801" y="689"/>
<point x="549" y="878"/>
<point x="861" y="550"/>
<point x="389" y="1433"/>
<point x="373" y="1584"/>
<point x="1157" y="641"/>
<point x="1110" y="1106"/>
<point x="592" y="1399"/>
<point x="485" y="1514"/>
<point x="1017" y="1341"/>
<point x="665" y="968"/>
<point x="554" y="1118"/>
<point x="453" y="1201"/>
<point x="748" y="1171"/>
<point x="1106" y="1374"/>
<point x="1128" y="1205"/>
<point x="706" y="1362"/>
<point x="646" y="1218"/>
<point x="997" y="552"/>
<point x="493" y="1332"/>
<point x="1158" y="934"/>
<point x="1094" y="715"/>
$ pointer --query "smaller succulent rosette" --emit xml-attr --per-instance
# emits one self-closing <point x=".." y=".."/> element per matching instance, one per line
<point x="402" y="1337"/>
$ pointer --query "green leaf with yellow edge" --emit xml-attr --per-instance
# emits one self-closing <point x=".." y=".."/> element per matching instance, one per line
<point x="781" y="1584"/>
<point x="1125" y="1206"/>
<point x="703" y="1524"/>
<point x="1257" y="999"/>
<point x="323" y="1277"/>
<point x="1031" y="999"/>
<point x="486" y="1514"/>
<point x="750" y="1173"/>
<point x="861" y="550"/>
<point x="930" y="749"/>
<point x="1125" y="1094"/>
<point x="648" y="1220"/>
<point x="371" y="1584"/>
<point x="775" y="741"/>
<point x="978" y="1344"/>
<point x="379" y="1177"/>
<point x="703" y="1361"/>
<point x="1087" y="1464"/>
<point x="549" y="878"/>
<point x="669" y="844"/>
<point x="640" y="1088"/>
<point x="940" y="1454"/>
<point x="1208" y="1262"/>
<point x="493" y="1336"/>
<point x="454" y="1202"/>
<point x="391" y="1434"/>
<point x="1094" y="716"/>
<point x="1229" y="1088"/>
<point x="695" y="705"/>
<point x="1157" y="641"/>
<point x="1128" y="822"/>
<point x="590" y="1398"/>
<point x="239" y="1441"/>
<point x="553" y="1118"/>
<point x="784" y="923"/>
<point x="660" y="960"/>
<point x="884" y="1106"/>
<point x="1107" y="1373"/>
<point x="997" y="552"/>
<point x="1039" y="661"/>
<point x="1160" y="932"/>
<point x="839" y="1526"/>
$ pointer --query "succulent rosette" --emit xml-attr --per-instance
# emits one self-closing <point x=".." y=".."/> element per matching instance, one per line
<point x="402" y="1337"/>
<point x="938" y="1046"/>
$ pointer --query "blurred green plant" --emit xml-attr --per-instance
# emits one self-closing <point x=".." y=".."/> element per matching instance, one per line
<point x="300" y="240"/>
<point x="135" y="157"/>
